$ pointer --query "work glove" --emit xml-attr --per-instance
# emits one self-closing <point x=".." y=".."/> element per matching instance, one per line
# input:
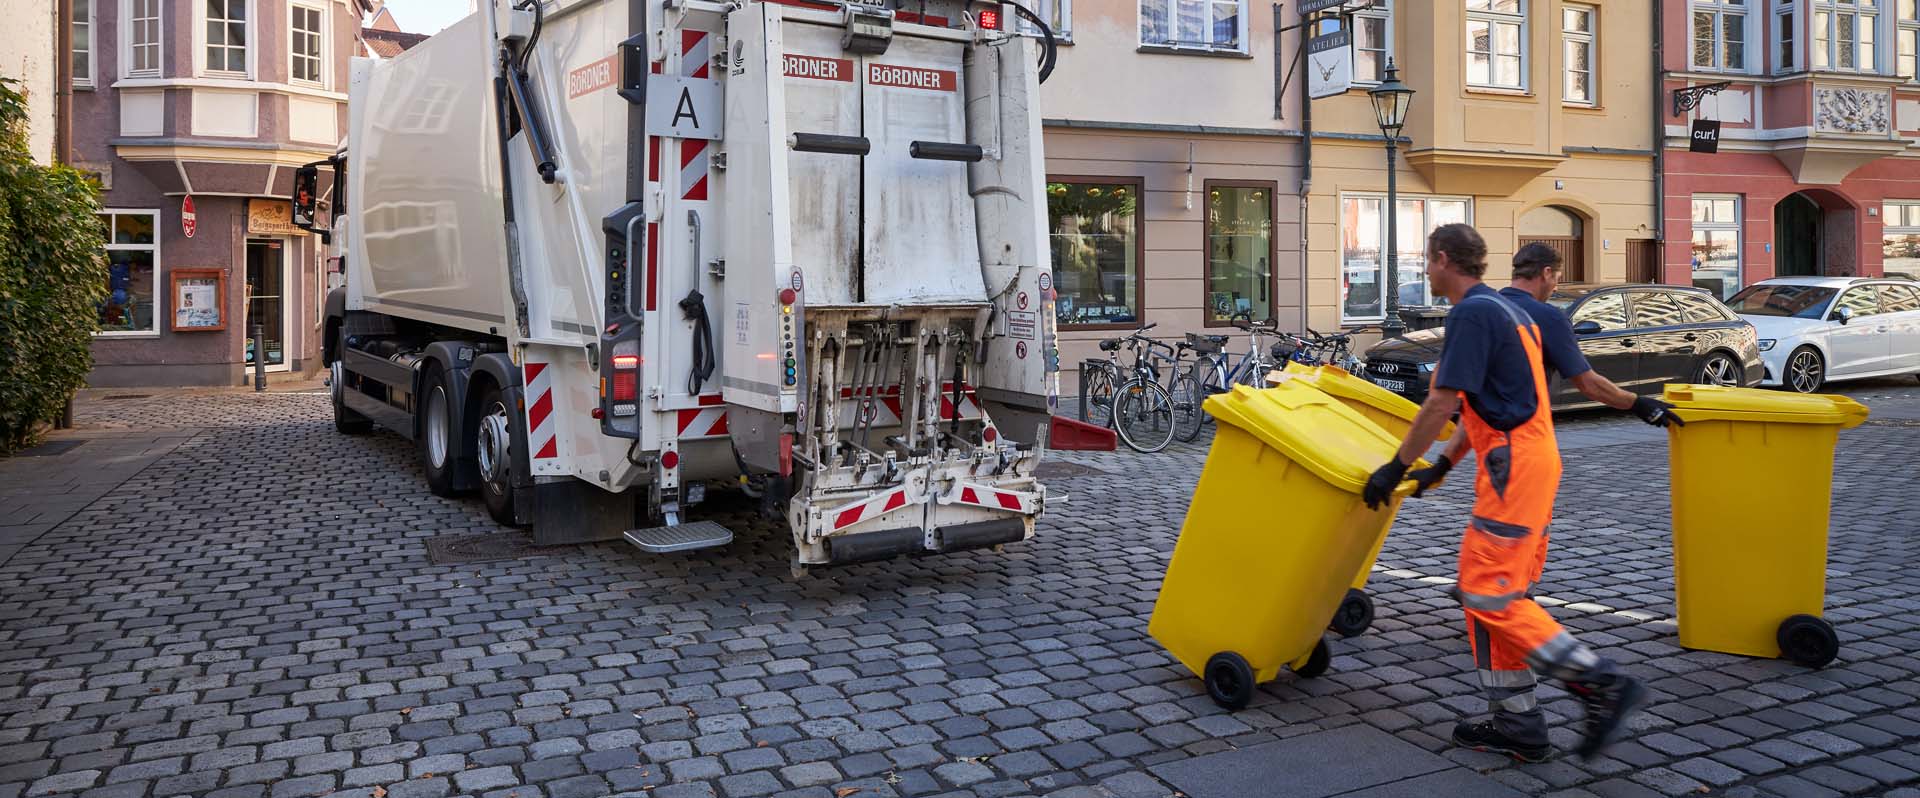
<point x="1656" y="412"/>
<point x="1430" y="476"/>
<point x="1379" y="489"/>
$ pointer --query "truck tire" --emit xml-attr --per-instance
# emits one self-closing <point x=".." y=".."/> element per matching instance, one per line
<point x="437" y="434"/>
<point x="493" y="448"/>
<point x="345" y="421"/>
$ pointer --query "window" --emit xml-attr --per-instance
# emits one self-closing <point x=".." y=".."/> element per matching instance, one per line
<point x="1786" y="20"/>
<point x="307" y="39"/>
<point x="1720" y="35"/>
<point x="1239" y="251"/>
<point x="1363" y="231"/>
<point x="1201" y="24"/>
<point x="1578" y="27"/>
<point x="1716" y="244"/>
<point x="1372" y="42"/>
<point x="143" y="38"/>
<point x="1899" y="298"/>
<point x="1496" y="43"/>
<point x="1057" y="13"/>
<point x="227" y="36"/>
<point x="82" y="43"/>
<point x="1607" y="310"/>
<point x="1862" y="300"/>
<point x="1781" y="299"/>
<point x="1652" y="309"/>
<point x="1900" y="236"/>
<point x="133" y="254"/>
<point x="1094" y="232"/>
<point x="1907" y="36"/>
<point x="1843" y="35"/>
<point x="1701" y="310"/>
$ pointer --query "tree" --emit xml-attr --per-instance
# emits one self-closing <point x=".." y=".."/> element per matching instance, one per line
<point x="52" y="279"/>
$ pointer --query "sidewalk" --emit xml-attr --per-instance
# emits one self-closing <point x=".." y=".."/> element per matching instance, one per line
<point x="42" y="487"/>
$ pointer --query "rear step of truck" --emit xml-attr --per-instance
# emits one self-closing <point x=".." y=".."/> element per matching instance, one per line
<point x="680" y="537"/>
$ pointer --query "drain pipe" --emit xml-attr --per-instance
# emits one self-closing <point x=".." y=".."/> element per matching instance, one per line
<point x="1306" y="181"/>
<point x="1659" y="147"/>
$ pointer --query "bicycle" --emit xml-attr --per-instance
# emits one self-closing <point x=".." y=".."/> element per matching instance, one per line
<point x="1335" y="349"/>
<point x="1099" y="378"/>
<point x="1143" y="409"/>
<point x="1214" y="371"/>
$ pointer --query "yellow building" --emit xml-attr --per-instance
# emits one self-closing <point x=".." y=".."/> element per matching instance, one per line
<point x="1533" y="120"/>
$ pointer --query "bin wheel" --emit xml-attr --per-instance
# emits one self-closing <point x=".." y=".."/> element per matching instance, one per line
<point x="1229" y="680"/>
<point x="1355" y="614"/>
<point x="1808" y="640"/>
<point x="1317" y="662"/>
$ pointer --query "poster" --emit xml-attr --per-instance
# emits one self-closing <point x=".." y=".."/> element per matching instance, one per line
<point x="197" y="300"/>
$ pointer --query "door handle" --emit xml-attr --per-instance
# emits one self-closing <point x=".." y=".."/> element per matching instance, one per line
<point x="1692" y="337"/>
<point x="1626" y="342"/>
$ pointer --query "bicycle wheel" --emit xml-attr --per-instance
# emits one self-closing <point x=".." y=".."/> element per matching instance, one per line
<point x="1187" y="414"/>
<point x="1096" y="397"/>
<point x="1254" y="375"/>
<point x="1143" y="416"/>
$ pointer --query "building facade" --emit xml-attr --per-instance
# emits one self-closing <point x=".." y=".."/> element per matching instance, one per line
<point x="29" y="45"/>
<point x="194" y="116"/>
<point x="1816" y="171"/>
<point x="1192" y="179"/>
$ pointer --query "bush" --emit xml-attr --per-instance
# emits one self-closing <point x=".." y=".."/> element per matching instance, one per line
<point x="52" y="278"/>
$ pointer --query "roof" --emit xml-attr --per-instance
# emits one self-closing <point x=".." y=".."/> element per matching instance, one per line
<point x="1574" y="291"/>
<point x="1829" y="282"/>
<point x="389" y="43"/>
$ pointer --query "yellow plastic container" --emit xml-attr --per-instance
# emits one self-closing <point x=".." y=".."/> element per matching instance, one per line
<point x="1752" y="482"/>
<point x="1394" y="414"/>
<point x="1249" y="589"/>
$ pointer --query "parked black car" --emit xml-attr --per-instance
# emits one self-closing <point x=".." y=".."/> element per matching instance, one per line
<point x="1640" y="336"/>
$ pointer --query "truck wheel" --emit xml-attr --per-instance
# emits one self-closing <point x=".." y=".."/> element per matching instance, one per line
<point x="493" y="446"/>
<point x="345" y="421"/>
<point x="437" y="434"/>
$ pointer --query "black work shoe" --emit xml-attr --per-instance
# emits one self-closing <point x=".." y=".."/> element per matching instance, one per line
<point x="1609" y="699"/>
<point x="1486" y="736"/>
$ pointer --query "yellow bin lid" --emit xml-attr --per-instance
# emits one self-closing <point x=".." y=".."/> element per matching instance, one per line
<point x="1342" y="383"/>
<point x="1718" y="403"/>
<point x="1310" y="428"/>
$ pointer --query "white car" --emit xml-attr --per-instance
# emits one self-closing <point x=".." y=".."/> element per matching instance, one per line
<point x="1815" y="330"/>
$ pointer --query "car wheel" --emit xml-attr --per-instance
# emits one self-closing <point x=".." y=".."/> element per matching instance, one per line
<point x="1718" y="370"/>
<point x="1806" y="370"/>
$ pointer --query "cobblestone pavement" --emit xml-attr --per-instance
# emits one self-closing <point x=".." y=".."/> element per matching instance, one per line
<point x="254" y="614"/>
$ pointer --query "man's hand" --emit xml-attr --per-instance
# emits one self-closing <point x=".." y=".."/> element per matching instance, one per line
<point x="1380" y="486"/>
<point x="1430" y="476"/>
<point x="1656" y="412"/>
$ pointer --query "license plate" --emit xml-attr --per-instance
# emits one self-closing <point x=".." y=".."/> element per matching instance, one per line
<point x="1396" y="386"/>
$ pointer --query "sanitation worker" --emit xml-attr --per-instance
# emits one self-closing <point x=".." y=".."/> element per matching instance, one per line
<point x="1491" y="371"/>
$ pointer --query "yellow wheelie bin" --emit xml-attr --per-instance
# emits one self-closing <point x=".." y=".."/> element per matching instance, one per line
<point x="1249" y="589"/>
<point x="1391" y="412"/>
<point x="1752" y="482"/>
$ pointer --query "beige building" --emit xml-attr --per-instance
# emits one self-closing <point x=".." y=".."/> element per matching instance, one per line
<point x="28" y="47"/>
<point x="1532" y="120"/>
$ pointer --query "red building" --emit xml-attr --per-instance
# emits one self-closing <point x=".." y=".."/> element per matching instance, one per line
<point x="1815" y="173"/>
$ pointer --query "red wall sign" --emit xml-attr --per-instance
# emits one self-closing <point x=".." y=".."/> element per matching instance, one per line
<point x="187" y="221"/>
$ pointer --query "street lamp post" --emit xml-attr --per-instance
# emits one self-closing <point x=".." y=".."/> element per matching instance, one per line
<point x="1390" y="101"/>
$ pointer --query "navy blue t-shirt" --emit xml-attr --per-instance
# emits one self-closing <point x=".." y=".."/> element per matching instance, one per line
<point x="1482" y="356"/>
<point x="1558" y="346"/>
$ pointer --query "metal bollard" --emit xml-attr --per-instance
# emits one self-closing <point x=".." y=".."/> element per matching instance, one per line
<point x="259" y="358"/>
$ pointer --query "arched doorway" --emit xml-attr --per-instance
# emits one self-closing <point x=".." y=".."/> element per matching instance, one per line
<point x="1561" y="229"/>
<point x="1797" y="220"/>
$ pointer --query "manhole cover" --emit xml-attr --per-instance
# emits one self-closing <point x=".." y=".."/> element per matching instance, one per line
<point x="449" y="549"/>
<point x="126" y="396"/>
<point x="48" y="449"/>
<point x="1058" y="469"/>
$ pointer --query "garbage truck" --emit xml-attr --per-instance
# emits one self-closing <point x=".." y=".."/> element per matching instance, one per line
<point x="600" y="255"/>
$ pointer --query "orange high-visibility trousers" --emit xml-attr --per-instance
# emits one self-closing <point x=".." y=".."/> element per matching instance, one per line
<point x="1504" y="551"/>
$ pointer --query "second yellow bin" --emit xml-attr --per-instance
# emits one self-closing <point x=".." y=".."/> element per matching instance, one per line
<point x="1249" y="590"/>
<point x="1752" y="482"/>
<point x="1394" y="414"/>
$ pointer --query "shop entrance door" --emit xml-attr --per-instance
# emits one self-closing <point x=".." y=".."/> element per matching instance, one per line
<point x="267" y="287"/>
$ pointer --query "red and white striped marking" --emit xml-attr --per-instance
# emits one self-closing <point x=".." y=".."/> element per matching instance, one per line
<point x="695" y="62"/>
<point x="992" y="498"/>
<point x="887" y="405"/>
<point x="541" y="434"/>
<point x="868" y="509"/>
<point x="709" y="420"/>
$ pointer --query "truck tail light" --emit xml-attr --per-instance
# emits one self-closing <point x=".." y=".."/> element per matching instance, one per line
<point x="624" y="385"/>
<point x="990" y="19"/>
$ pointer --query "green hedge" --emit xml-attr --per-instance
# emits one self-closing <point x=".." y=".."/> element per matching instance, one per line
<point x="53" y="276"/>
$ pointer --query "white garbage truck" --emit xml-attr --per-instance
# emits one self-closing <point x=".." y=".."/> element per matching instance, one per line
<point x="599" y="255"/>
